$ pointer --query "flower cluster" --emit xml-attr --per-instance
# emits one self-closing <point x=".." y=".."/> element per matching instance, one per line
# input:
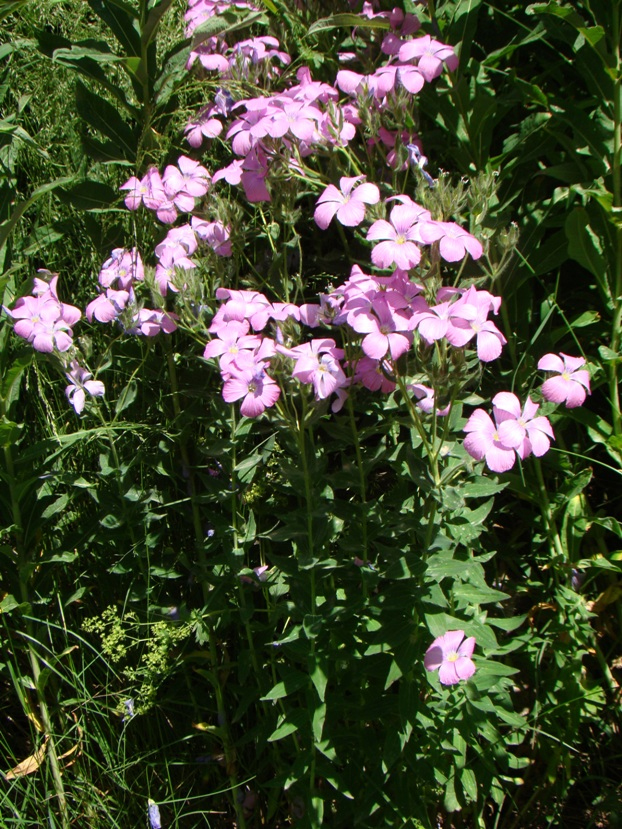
<point x="42" y="319"/>
<point x="518" y="432"/>
<point x="515" y="431"/>
<point x="171" y="193"/>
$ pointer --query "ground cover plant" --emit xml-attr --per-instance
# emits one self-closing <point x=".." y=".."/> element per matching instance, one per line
<point x="310" y="416"/>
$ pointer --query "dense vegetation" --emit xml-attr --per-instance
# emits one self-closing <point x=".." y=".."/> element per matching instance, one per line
<point x="267" y="270"/>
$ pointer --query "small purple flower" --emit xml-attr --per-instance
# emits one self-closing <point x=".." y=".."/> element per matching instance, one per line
<point x="80" y="384"/>
<point x="451" y="657"/>
<point x="154" y="814"/>
<point x="417" y="159"/>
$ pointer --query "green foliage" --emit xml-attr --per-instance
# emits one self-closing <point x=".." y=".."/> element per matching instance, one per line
<point x="297" y="694"/>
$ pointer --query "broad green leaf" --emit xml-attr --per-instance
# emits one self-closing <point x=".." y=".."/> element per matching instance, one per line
<point x="294" y="681"/>
<point x="318" y="676"/>
<point x="482" y="488"/>
<point x="49" y="44"/>
<point x="103" y="117"/>
<point x="127" y="396"/>
<point x="41" y="237"/>
<point x="450" y="801"/>
<point x="227" y="23"/>
<point x="471" y="594"/>
<point x="56" y="506"/>
<point x="122" y="20"/>
<point x="439" y="623"/>
<point x="585" y="246"/>
<point x="283" y="730"/>
<point x="9" y="432"/>
<point x="317" y="723"/>
<point x="608" y="356"/>
<point x="469" y="784"/>
<point x="87" y="49"/>
<point x="10" y="383"/>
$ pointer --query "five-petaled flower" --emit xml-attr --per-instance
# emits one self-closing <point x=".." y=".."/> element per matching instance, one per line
<point x="451" y="656"/>
<point x="348" y="204"/>
<point x="572" y="384"/>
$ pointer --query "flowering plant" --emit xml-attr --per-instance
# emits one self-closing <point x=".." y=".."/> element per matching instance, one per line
<point x="298" y="337"/>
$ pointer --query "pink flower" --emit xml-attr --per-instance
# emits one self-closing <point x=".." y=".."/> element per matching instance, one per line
<point x="348" y="205"/>
<point x="317" y="363"/>
<point x="455" y="242"/>
<point x="45" y="322"/>
<point x="426" y="399"/>
<point x="514" y="432"/>
<point x="215" y="234"/>
<point x="430" y="56"/>
<point x="148" y="322"/>
<point x="573" y="383"/>
<point x="149" y="190"/>
<point x="107" y="307"/>
<point x="521" y="429"/>
<point x="399" y="236"/>
<point x="483" y="442"/>
<point x="383" y="326"/>
<point x="189" y="178"/>
<point x="258" y="389"/>
<point x="451" y="656"/>
<point x="374" y="375"/>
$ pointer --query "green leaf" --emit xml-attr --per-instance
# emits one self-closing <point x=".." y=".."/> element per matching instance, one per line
<point x="317" y="723"/>
<point x="450" y="801"/>
<point x="469" y="594"/>
<point x="293" y="681"/>
<point x="87" y="49"/>
<point x="482" y="488"/>
<point x="10" y="603"/>
<point x="340" y="21"/>
<point x="295" y="719"/>
<point x="10" y="383"/>
<point x="9" y="432"/>
<point x="49" y="44"/>
<point x="318" y="676"/>
<point x="584" y="246"/>
<point x="103" y="117"/>
<point x="122" y="20"/>
<point x="469" y="784"/>
<point x="127" y="396"/>
<point x="607" y="355"/>
<point x="89" y="195"/>
<point x="56" y="506"/>
<point x="6" y="228"/>
<point x="150" y="28"/>
<point x="225" y="24"/>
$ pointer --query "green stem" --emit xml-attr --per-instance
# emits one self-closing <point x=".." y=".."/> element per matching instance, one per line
<point x="185" y="459"/>
<point x="557" y="548"/>
<point x="614" y="391"/>
<point x="362" y="488"/>
<point x="313" y="598"/>
<point x="227" y="742"/>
